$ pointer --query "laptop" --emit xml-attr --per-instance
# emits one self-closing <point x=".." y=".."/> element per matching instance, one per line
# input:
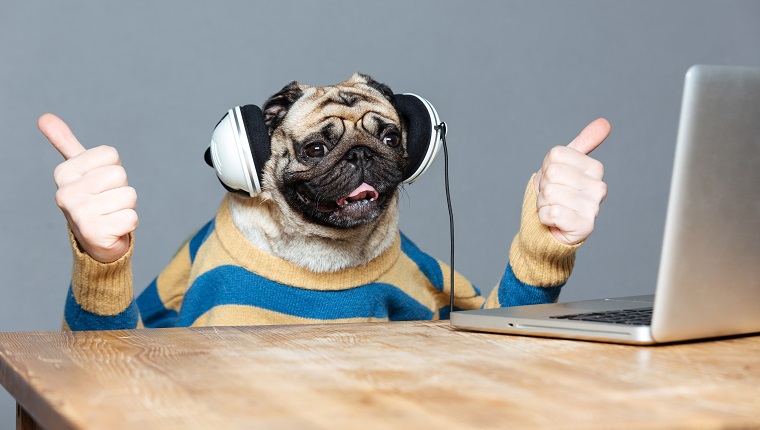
<point x="708" y="283"/>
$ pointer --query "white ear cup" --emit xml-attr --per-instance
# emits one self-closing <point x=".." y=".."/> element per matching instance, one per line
<point x="435" y="140"/>
<point x="231" y="154"/>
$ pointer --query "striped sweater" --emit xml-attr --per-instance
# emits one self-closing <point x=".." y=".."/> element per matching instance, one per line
<point x="220" y="278"/>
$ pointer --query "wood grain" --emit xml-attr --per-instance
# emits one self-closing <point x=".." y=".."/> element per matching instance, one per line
<point x="377" y="375"/>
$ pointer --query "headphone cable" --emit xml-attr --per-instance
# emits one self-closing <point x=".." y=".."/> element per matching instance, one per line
<point x="442" y="128"/>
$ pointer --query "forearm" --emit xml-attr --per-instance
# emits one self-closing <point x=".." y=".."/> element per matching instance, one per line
<point x="538" y="264"/>
<point x="100" y="294"/>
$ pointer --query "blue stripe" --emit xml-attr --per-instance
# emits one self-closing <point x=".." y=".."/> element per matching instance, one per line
<point x="200" y="238"/>
<point x="444" y="313"/>
<point x="513" y="292"/>
<point x="80" y="319"/>
<point x="152" y="309"/>
<point x="428" y="265"/>
<point x="232" y="285"/>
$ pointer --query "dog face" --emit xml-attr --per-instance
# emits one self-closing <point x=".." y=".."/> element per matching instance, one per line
<point x="338" y="152"/>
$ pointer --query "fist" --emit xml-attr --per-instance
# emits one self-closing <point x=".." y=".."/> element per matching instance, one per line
<point x="569" y="186"/>
<point x="93" y="193"/>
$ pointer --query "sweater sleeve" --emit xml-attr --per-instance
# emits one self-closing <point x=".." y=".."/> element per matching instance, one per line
<point x="538" y="266"/>
<point x="100" y="295"/>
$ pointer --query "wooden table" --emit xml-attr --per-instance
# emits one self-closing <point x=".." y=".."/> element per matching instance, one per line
<point x="417" y="375"/>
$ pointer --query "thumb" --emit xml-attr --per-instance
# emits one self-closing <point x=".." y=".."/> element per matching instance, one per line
<point x="60" y="135"/>
<point x="591" y="136"/>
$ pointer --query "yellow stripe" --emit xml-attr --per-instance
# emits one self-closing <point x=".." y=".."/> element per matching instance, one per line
<point x="407" y="277"/>
<point x="465" y="296"/>
<point x="210" y="256"/>
<point x="230" y="315"/>
<point x="493" y="299"/>
<point x="172" y="281"/>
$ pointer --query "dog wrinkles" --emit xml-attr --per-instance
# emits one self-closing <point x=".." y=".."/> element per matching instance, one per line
<point x="339" y="207"/>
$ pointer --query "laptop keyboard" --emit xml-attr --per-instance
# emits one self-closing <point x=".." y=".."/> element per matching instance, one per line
<point x="625" y="316"/>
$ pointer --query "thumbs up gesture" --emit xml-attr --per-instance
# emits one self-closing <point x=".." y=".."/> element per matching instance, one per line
<point x="569" y="186"/>
<point x="93" y="193"/>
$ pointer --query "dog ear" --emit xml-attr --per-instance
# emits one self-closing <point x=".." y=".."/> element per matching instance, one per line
<point x="385" y="90"/>
<point x="277" y="106"/>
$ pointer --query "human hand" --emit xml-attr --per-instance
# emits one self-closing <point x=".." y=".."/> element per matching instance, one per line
<point x="569" y="186"/>
<point x="93" y="193"/>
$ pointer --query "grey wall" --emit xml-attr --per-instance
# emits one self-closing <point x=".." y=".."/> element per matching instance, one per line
<point x="512" y="79"/>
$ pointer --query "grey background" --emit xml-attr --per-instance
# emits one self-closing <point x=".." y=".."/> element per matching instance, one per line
<point x="512" y="79"/>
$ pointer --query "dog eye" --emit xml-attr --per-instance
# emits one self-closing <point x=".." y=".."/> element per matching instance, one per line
<point x="392" y="139"/>
<point x="315" y="150"/>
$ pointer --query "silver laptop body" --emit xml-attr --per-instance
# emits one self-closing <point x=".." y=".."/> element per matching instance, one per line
<point x="709" y="278"/>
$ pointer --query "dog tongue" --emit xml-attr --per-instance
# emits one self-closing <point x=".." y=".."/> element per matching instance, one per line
<point x="360" y="193"/>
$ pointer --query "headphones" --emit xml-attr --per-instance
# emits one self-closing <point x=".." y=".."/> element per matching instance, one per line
<point x="240" y="143"/>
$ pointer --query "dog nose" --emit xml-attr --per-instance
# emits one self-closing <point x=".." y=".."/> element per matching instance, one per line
<point x="359" y="155"/>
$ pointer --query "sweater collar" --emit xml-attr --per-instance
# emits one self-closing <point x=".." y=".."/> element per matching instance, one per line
<point x="274" y="268"/>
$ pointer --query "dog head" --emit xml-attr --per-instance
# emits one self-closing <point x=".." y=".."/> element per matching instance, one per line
<point x="338" y="153"/>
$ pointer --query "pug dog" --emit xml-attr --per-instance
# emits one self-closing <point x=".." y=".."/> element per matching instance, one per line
<point x="329" y="197"/>
<point x="320" y="242"/>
